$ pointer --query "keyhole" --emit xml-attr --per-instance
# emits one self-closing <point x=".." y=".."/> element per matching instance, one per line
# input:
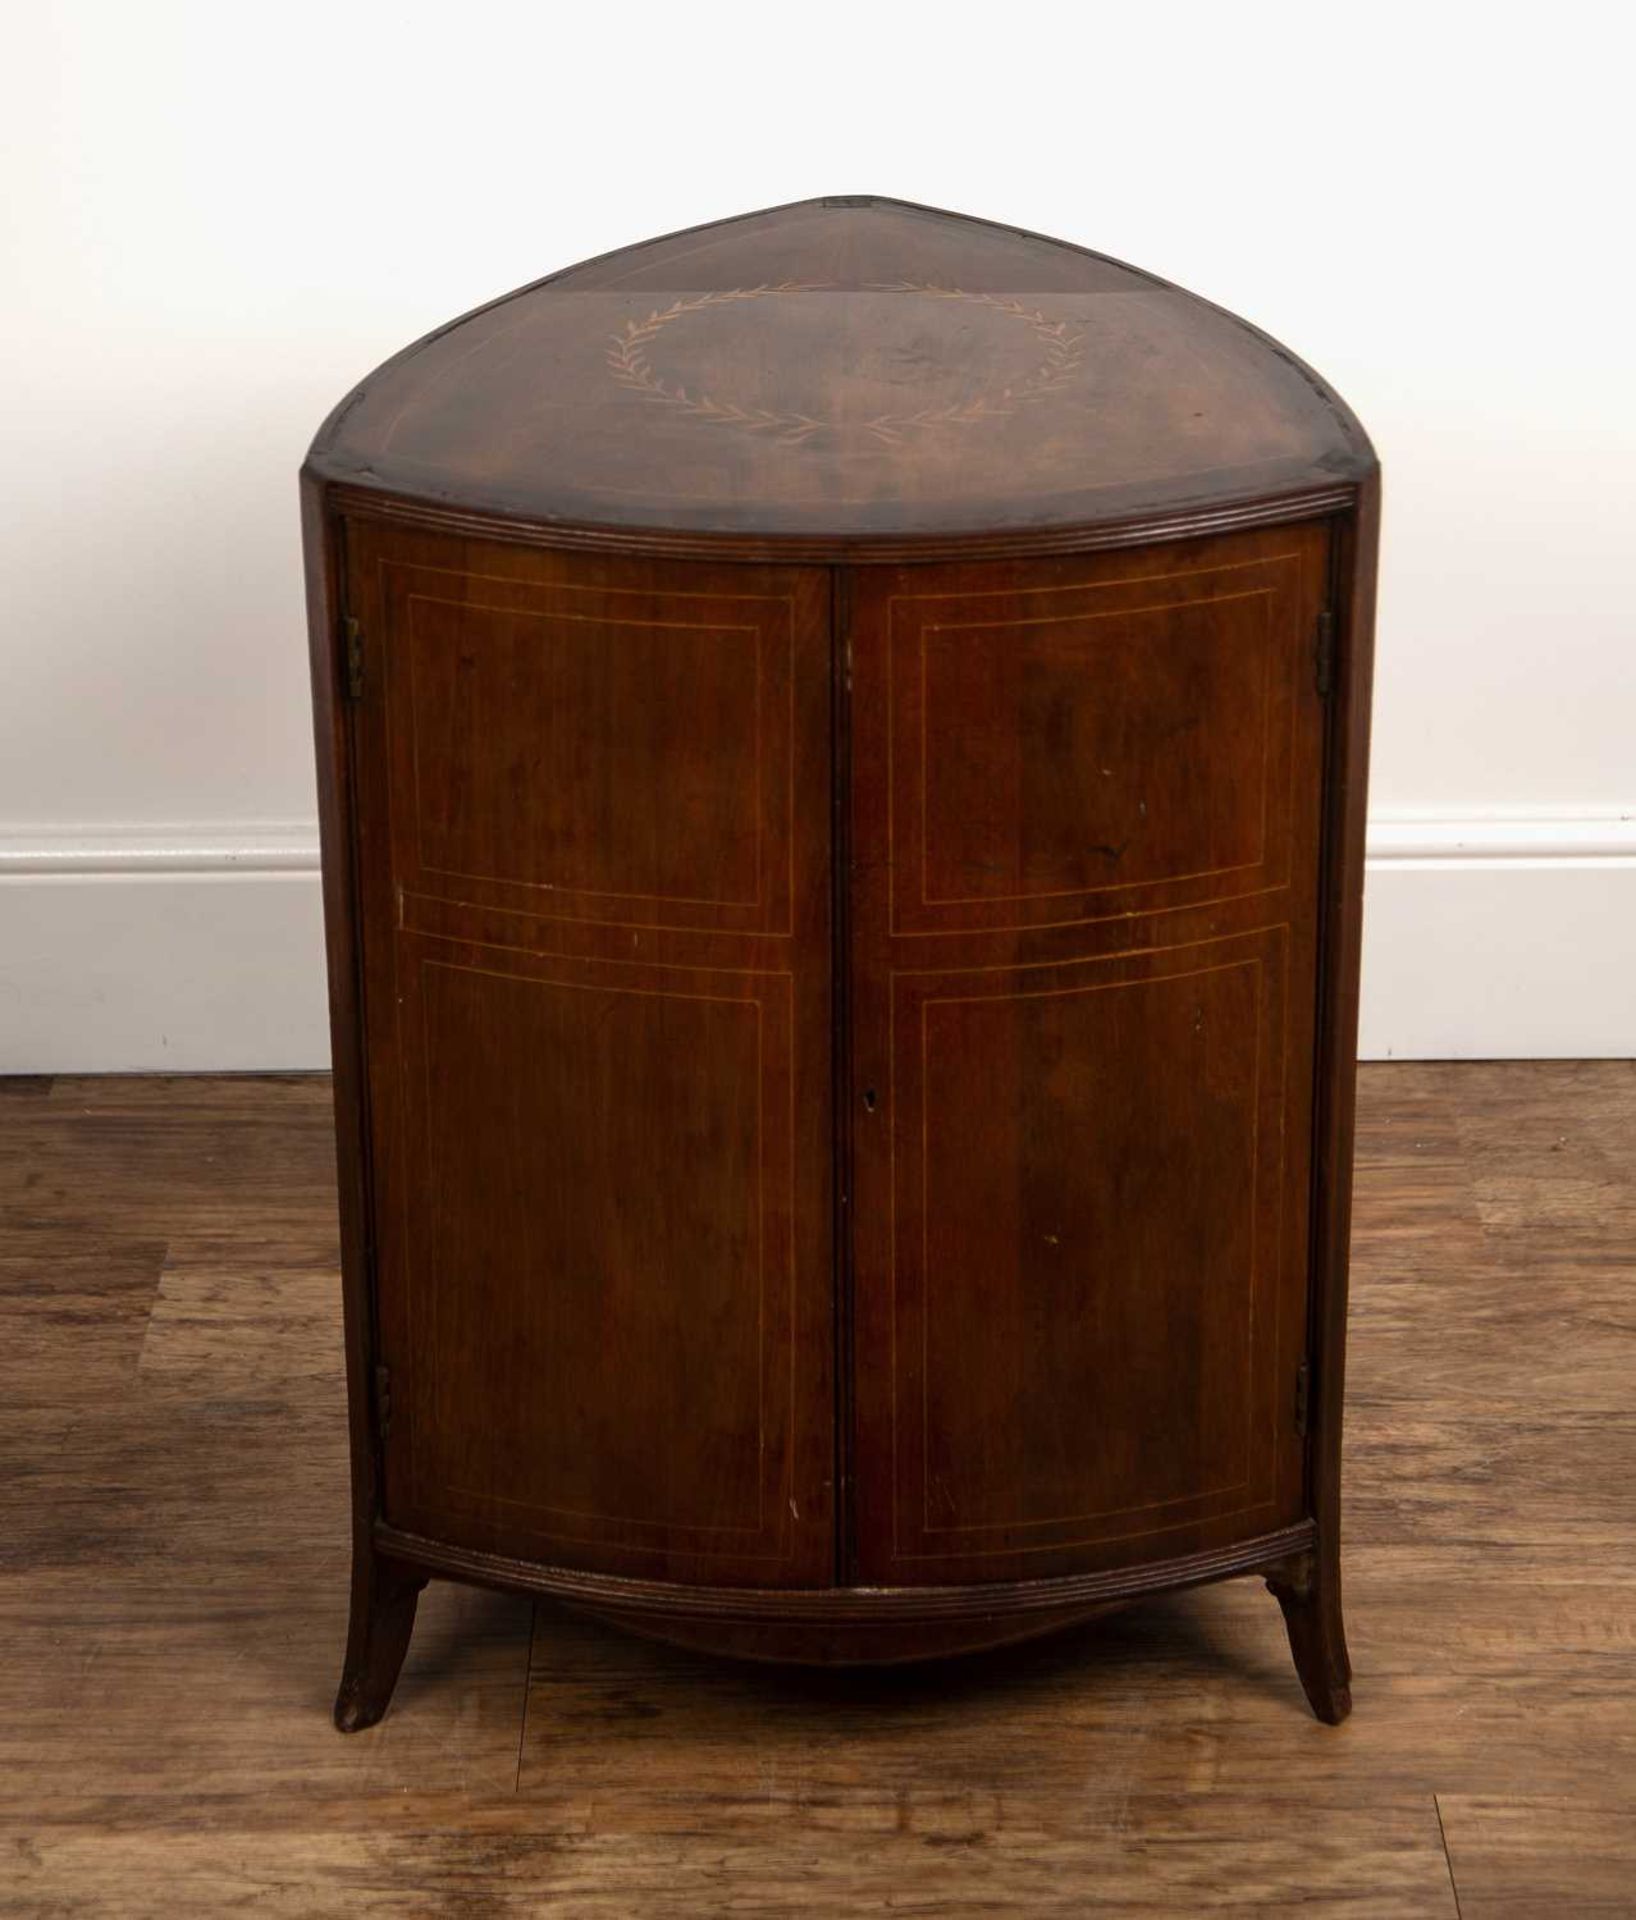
<point x="869" y="1099"/>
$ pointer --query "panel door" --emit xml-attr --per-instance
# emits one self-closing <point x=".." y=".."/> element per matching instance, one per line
<point x="594" y="828"/>
<point x="1085" y="831"/>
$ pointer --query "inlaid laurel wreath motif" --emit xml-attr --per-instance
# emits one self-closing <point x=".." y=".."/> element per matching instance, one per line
<point x="1061" y="355"/>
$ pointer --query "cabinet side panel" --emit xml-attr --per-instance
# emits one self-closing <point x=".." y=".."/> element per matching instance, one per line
<point x="594" y="832"/>
<point x="1086" y="820"/>
<point x="323" y="543"/>
<point x="1345" y="826"/>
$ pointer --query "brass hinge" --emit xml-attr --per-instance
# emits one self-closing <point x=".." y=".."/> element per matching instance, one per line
<point x="383" y="1401"/>
<point x="353" y="641"/>
<point x="1323" y="654"/>
<point x="1303" y="1397"/>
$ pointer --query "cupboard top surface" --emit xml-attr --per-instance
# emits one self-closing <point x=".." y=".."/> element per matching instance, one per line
<point x="845" y="370"/>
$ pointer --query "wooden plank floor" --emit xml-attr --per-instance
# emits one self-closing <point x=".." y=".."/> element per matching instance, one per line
<point x="173" y="1579"/>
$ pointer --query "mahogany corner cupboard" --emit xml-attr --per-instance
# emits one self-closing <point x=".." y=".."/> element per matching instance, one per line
<point x="842" y="746"/>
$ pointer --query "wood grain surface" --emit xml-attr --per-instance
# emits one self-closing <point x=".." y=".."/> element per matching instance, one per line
<point x="598" y="1047"/>
<point x="174" y="1546"/>
<point x="841" y="376"/>
<point x="1086" y="800"/>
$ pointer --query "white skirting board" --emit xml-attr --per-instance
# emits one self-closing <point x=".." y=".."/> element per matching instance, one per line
<point x="1492" y="937"/>
<point x="200" y="949"/>
<point x="162" y="950"/>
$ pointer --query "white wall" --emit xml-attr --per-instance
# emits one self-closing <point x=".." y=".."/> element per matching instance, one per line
<point x="217" y="217"/>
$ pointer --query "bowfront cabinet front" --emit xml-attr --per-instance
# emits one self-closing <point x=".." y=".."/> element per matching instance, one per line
<point x="1086" y="826"/>
<point x="841" y="758"/>
<point x="595" y="882"/>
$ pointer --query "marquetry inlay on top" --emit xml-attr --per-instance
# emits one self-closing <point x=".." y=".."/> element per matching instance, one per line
<point x="843" y="369"/>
